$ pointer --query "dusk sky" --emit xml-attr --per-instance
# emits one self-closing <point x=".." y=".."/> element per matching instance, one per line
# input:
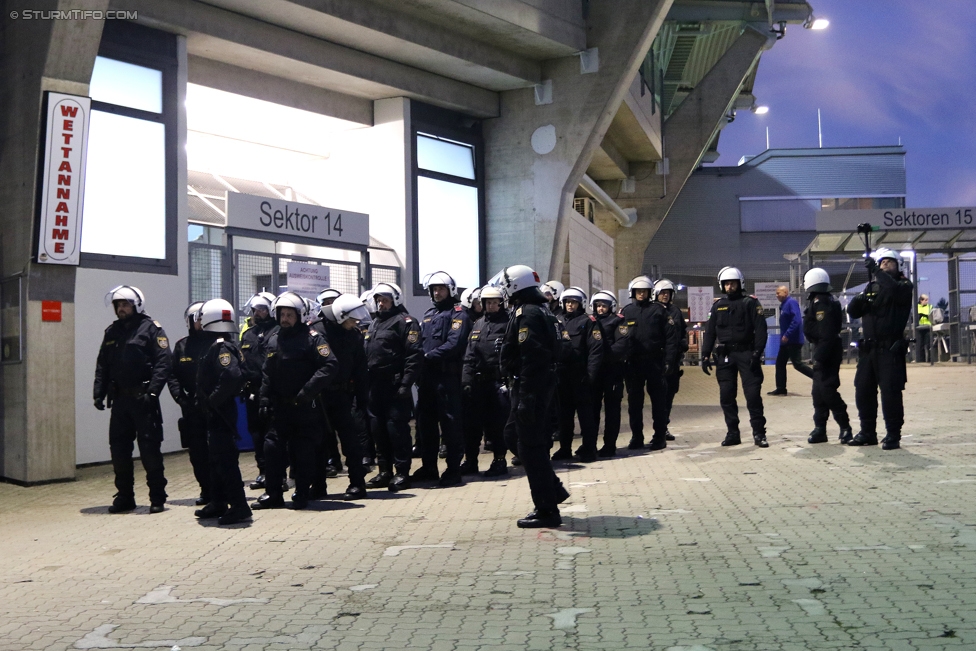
<point x="882" y="70"/>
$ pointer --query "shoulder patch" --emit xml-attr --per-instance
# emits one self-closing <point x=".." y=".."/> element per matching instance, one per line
<point x="413" y="336"/>
<point x="407" y="319"/>
<point x="457" y="308"/>
<point x="518" y="312"/>
<point x="623" y="329"/>
<point x="323" y="350"/>
<point x="158" y="324"/>
<point x="523" y="334"/>
<point x="670" y="320"/>
<point x="820" y="315"/>
<point x="759" y="309"/>
<point x="566" y="335"/>
<point x="220" y="340"/>
<point x="224" y="359"/>
<point x="592" y="318"/>
<point x="597" y="334"/>
<point x="162" y="342"/>
<point x="456" y="324"/>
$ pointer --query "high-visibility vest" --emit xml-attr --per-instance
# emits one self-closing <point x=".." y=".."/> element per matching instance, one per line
<point x="923" y="314"/>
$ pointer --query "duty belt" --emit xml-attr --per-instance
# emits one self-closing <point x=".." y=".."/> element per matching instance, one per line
<point x="129" y="392"/>
<point x="736" y="348"/>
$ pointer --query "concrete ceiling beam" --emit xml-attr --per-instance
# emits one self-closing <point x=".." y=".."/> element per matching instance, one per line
<point x="696" y="11"/>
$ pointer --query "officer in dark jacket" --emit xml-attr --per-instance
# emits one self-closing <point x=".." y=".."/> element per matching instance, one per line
<point x="394" y="359"/>
<point x="884" y="308"/>
<point x="444" y="333"/>
<point x="578" y="377"/>
<point x="664" y="291"/>
<point x="299" y="366"/>
<point x="609" y="389"/>
<point x="330" y="461"/>
<point x="528" y="357"/>
<point x="736" y="333"/>
<point x="472" y="428"/>
<point x="654" y="355"/>
<point x="340" y="327"/>
<point x="822" y="323"/>
<point x="187" y="353"/>
<point x="482" y="383"/>
<point x="133" y="365"/>
<point x="219" y="380"/>
<point x="254" y="337"/>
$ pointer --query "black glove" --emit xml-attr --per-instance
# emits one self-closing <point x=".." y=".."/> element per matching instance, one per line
<point x="404" y="392"/>
<point x="147" y="400"/>
<point x="468" y="390"/>
<point x="870" y="264"/>
<point x="100" y="404"/>
<point x="707" y="365"/>
<point x="756" y="361"/>
<point x="526" y="410"/>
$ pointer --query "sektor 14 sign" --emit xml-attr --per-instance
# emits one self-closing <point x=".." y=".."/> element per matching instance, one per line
<point x="63" y="181"/>
<point x="285" y="219"/>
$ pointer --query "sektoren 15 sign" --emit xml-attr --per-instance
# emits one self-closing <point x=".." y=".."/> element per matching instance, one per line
<point x="63" y="181"/>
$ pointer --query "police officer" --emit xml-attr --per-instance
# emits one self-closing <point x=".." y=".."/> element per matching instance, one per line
<point x="528" y="356"/>
<point x="664" y="291"/>
<point x="654" y="355"/>
<point x="340" y="327"/>
<point x="330" y="460"/>
<point x="884" y="308"/>
<point x="219" y="380"/>
<point x="822" y="323"/>
<point x="482" y="383"/>
<point x="578" y="377"/>
<point x="254" y="337"/>
<point x="394" y="358"/>
<point x="444" y="331"/>
<point x="361" y="412"/>
<point x="552" y="290"/>
<point x="736" y="333"/>
<point x="182" y="386"/>
<point x="299" y="366"/>
<point x="609" y="389"/>
<point x="133" y="365"/>
<point x="473" y="428"/>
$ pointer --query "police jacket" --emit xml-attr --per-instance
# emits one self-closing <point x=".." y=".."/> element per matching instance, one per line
<point x="445" y="330"/>
<point x="680" y="327"/>
<point x="586" y="339"/>
<point x="653" y="332"/>
<point x="134" y="358"/>
<point x="481" y="359"/>
<point x="220" y="374"/>
<point x="299" y="366"/>
<point x="736" y="322"/>
<point x="884" y="307"/>
<point x="616" y="344"/>
<point x="186" y="359"/>
<point x="529" y="347"/>
<point x="822" y="322"/>
<point x="393" y="346"/>
<point x="254" y="340"/>
<point x="347" y="347"/>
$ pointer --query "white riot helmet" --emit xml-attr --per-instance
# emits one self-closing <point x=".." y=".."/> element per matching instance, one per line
<point x="217" y="315"/>
<point x="389" y="289"/>
<point x="368" y="300"/>
<point x="605" y="297"/>
<point x="817" y="281"/>
<point x="640" y="282"/>
<point x="664" y="285"/>
<point x="192" y="314"/>
<point x="345" y="307"/>
<point x="326" y="294"/>
<point x="261" y="299"/>
<point x="441" y="278"/>
<point x="126" y="293"/>
<point x="488" y="291"/>
<point x="885" y="253"/>
<point x="292" y="300"/>
<point x="469" y="296"/>
<point x="515" y="279"/>
<point x="554" y="289"/>
<point x="574" y="294"/>
<point x="731" y="273"/>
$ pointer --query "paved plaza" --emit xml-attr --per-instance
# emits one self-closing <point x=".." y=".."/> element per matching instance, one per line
<point x="697" y="547"/>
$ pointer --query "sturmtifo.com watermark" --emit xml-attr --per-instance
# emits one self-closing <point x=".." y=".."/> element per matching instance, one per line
<point x="74" y="14"/>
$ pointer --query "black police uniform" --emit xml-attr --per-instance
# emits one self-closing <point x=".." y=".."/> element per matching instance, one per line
<point x="299" y="366"/>
<point x="472" y="427"/>
<point x="736" y="333"/>
<point x="219" y="380"/>
<point x="394" y="358"/>
<point x="578" y="378"/>
<point x="822" y="322"/>
<point x="254" y="340"/>
<point x="674" y="378"/>
<point x="528" y="356"/>
<point x="193" y="425"/>
<point x="608" y="391"/>
<point x="884" y="310"/>
<point x="445" y="330"/>
<point x="349" y="382"/>
<point x="485" y="389"/>
<point x="133" y="366"/>
<point x="654" y="352"/>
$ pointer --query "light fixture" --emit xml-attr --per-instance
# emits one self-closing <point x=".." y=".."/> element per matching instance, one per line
<point x="908" y="253"/>
<point x="759" y="110"/>
<point x="816" y="23"/>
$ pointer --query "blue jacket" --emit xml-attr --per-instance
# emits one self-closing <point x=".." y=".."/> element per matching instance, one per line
<point x="791" y="321"/>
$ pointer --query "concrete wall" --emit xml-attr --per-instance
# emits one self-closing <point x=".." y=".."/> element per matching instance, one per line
<point x="589" y="246"/>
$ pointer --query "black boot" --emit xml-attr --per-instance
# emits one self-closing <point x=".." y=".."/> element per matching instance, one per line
<point x="381" y="480"/>
<point x="212" y="510"/>
<point x="399" y="483"/>
<point x="818" y="435"/>
<point x="318" y="492"/>
<point x="122" y="505"/>
<point x="539" y="520"/>
<point x="562" y="454"/>
<point x="470" y="467"/>
<point x="498" y="468"/>
<point x="268" y="502"/>
<point x="257" y="484"/>
<point x="354" y="493"/>
<point x="760" y="439"/>
<point x="731" y="438"/>
<point x="657" y="443"/>
<point x="668" y="436"/>
<point x="451" y="477"/>
<point x="891" y="442"/>
<point x="607" y="451"/>
<point x="864" y="438"/>
<point x="425" y="474"/>
<point x="203" y="499"/>
<point x="846" y="435"/>
<point x="239" y="513"/>
<point x="636" y="443"/>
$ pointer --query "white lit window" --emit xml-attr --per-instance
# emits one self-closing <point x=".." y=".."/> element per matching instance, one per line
<point x="445" y="156"/>
<point x="447" y="230"/>
<point x="125" y="187"/>
<point x="125" y="84"/>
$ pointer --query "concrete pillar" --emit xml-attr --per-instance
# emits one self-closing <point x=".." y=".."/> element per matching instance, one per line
<point x="536" y="154"/>
<point x="687" y="134"/>
<point x="37" y="440"/>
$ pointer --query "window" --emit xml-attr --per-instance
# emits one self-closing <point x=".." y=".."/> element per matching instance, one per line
<point x="448" y="197"/>
<point x="129" y="220"/>
<point x="865" y="203"/>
